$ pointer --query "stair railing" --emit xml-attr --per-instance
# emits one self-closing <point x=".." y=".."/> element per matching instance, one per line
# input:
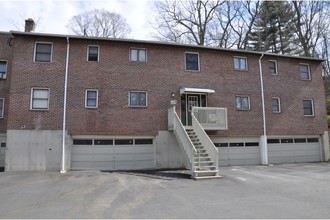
<point x="175" y="124"/>
<point x="205" y="140"/>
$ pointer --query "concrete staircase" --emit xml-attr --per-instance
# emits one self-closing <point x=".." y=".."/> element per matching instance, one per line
<point x="204" y="166"/>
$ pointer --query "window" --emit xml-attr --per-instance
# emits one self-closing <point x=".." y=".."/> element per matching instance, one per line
<point x="138" y="99"/>
<point x="93" y="53"/>
<point x="43" y="52"/>
<point x="242" y="103"/>
<point x="40" y="99"/>
<point x="240" y="63"/>
<point x="308" y="107"/>
<point x="138" y="55"/>
<point x="304" y="72"/>
<point x="3" y="69"/>
<point x="272" y="67"/>
<point x="276" y="105"/>
<point x="2" y="105"/>
<point x="91" y="98"/>
<point x="192" y="61"/>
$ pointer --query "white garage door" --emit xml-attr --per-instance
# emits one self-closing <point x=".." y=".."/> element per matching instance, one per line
<point x="294" y="150"/>
<point x="2" y="151"/>
<point x="238" y="151"/>
<point x="112" y="154"/>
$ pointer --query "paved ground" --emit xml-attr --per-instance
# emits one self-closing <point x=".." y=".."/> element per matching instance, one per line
<point x="282" y="191"/>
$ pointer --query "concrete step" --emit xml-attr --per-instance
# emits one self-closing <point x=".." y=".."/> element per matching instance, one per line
<point x="206" y="174"/>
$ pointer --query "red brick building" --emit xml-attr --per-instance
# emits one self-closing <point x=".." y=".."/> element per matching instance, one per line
<point x="119" y="97"/>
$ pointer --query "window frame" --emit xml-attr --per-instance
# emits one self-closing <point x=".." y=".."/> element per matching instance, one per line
<point x="4" y="75"/>
<point x="32" y="99"/>
<point x="309" y="72"/>
<point x="279" y="105"/>
<point x="137" y="106"/>
<point x="98" y="53"/>
<point x="240" y="58"/>
<point x="2" y="108"/>
<point x="312" y="107"/>
<point x="35" y="52"/>
<point x="97" y="98"/>
<point x="249" y="102"/>
<point x="198" y="60"/>
<point x="138" y="54"/>
<point x="276" y="68"/>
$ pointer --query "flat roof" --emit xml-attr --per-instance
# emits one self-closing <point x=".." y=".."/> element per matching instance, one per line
<point x="161" y="43"/>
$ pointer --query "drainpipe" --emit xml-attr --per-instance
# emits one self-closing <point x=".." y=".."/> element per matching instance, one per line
<point x="63" y="170"/>
<point x="264" y="147"/>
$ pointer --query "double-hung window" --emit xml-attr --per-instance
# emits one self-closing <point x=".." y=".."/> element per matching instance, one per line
<point x="308" y="107"/>
<point x="2" y="107"/>
<point x="276" y="105"/>
<point x="91" y="98"/>
<point x="242" y="103"/>
<point x="138" y="55"/>
<point x="192" y="61"/>
<point x="304" y="72"/>
<point x="3" y="69"/>
<point x="272" y="67"/>
<point x="93" y="53"/>
<point x="240" y="63"/>
<point x="39" y="99"/>
<point x="43" y="52"/>
<point x="138" y="99"/>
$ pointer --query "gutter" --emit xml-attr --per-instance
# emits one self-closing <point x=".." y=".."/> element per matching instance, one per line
<point x="264" y="147"/>
<point x="63" y="170"/>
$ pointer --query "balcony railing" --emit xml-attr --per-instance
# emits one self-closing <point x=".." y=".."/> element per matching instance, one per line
<point x="211" y="118"/>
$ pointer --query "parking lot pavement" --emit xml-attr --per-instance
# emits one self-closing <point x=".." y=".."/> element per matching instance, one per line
<point x="281" y="191"/>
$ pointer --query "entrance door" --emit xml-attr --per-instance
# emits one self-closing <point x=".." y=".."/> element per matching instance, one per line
<point x="192" y="101"/>
<point x="188" y="101"/>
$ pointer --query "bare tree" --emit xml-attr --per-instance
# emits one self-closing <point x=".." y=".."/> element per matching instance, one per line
<point x="184" y="21"/>
<point x="233" y="23"/>
<point x="99" y="23"/>
<point x="312" y="22"/>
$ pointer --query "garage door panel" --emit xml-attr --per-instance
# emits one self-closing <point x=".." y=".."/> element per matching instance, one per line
<point x="307" y="158"/>
<point x="144" y="165"/>
<point x="124" y="150"/>
<point x="143" y="157"/>
<point x="252" y="161"/>
<point x="125" y="165"/>
<point x="124" y="157"/>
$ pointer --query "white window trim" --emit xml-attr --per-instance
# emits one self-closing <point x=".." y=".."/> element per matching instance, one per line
<point x="35" y="51"/>
<point x="185" y="61"/>
<point x="312" y="101"/>
<point x="276" y="68"/>
<point x="98" y="52"/>
<point x="3" y="108"/>
<point x="137" y="106"/>
<point x="31" y="99"/>
<point x="309" y="72"/>
<point x="279" y="105"/>
<point x="6" y="71"/>
<point x="137" y="48"/>
<point x="249" y="102"/>
<point x="97" y="98"/>
<point x="246" y="62"/>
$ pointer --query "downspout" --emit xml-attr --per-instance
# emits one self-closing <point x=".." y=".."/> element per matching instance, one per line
<point x="264" y="147"/>
<point x="63" y="170"/>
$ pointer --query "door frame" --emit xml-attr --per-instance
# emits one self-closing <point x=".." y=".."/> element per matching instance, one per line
<point x="202" y="102"/>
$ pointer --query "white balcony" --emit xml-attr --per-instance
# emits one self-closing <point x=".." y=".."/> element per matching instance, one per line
<point x="211" y="118"/>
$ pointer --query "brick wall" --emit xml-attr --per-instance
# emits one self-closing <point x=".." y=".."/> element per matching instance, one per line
<point x="114" y="76"/>
<point x="6" y="53"/>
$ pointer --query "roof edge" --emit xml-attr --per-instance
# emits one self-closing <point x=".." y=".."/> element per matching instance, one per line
<point x="161" y="43"/>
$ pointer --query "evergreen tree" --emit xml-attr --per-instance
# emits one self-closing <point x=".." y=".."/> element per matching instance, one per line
<point x="274" y="29"/>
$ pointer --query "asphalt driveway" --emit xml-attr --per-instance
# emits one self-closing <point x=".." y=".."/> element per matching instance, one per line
<point x="281" y="191"/>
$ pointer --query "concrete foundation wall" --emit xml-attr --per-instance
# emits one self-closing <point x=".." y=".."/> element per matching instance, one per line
<point x="168" y="151"/>
<point x="29" y="150"/>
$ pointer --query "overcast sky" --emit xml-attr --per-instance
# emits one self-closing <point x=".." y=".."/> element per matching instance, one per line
<point x="53" y="15"/>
